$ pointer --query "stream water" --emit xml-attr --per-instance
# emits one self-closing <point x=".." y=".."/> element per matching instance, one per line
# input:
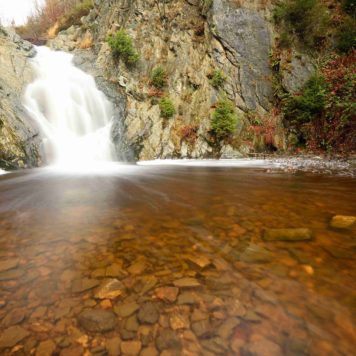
<point x="172" y="259"/>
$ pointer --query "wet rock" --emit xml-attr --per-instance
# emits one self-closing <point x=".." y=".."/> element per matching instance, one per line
<point x="39" y="313"/>
<point x="8" y="264"/>
<point x="226" y="329"/>
<point x="82" y="285"/>
<point x="11" y="274"/>
<point x="186" y="282"/>
<point x="98" y="351"/>
<point x="131" y="323"/>
<point x="256" y="254"/>
<point x="72" y="351"/>
<point x="179" y="319"/>
<point x="149" y="351"/>
<point x="198" y="315"/>
<point x="97" y="320"/>
<point x="236" y="345"/>
<point x="131" y="347"/>
<point x="261" y="347"/>
<point x="126" y="309"/>
<point x="137" y="268"/>
<point x="109" y="289"/>
<point x="341" y="253"/>
<point x="202" y="328"/>
<point x="168" y="339"/>
<point x="342" y="221"/>
<point x="199" y="261"/>
<point x="46" y="348"/>
<point x="113" y="346"/>
<point x="145" y="334"/>
<point x="148" y="313"/>
<point x="167" y="294"/>
<point x="216" y="345"/>
<point x="115" y="270"/>
<point x="11" y="336"/>
<point x="189" y="298"/>
<point x="300" y="234"/>
<point x="14" y="317"/>
<point x="148" y="282"/>
<point x="252" y="317"/>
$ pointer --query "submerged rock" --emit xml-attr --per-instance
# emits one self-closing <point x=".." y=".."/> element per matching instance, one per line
<point x="131" y="347"/>
<point x="97" y="320"/>
<point x="186" y="282"/>
<point x="148" y="313"/>
<point x="11" y="336"/>
<point x="126" y="309"/>
<point x="8" y="264"/>
<point x="342" y="221"/>
<point x="300" y="234"/>
<point x="256" y="254"/>
<point x="168" y="294"/>
<point x="110" y="289"/>
<point x="82" y="285"/>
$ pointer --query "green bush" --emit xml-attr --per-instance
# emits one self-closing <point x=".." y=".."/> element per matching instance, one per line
<point x="224" y="119"/>
<point x="218" y="78"/>
<point x="167" y="107"/>
<point x="349" y="6"/>
<point x="309" y="104"/>
<point x="345" y="38"/>
<point x="122" y="47"/>
<point x="308" y="20"/>
<point x="159" y="77"/>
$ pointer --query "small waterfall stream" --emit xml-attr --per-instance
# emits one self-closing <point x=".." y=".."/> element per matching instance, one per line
<point x="74" y="116"/>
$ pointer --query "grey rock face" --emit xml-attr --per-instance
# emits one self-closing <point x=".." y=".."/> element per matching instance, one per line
<point x="19" y="137"/>
<point x="297" y="72"/>
<point x="245" y="33"/>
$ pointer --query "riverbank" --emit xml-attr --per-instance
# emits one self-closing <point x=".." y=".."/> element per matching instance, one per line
<point x="272" y="164"/>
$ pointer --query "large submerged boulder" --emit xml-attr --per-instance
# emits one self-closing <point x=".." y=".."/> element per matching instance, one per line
<point x="19" y="137"/>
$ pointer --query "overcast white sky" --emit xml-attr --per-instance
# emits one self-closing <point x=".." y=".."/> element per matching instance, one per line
<point x="17" y="10"/>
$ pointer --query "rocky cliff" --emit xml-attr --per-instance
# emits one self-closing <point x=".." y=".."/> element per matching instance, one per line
<point x="191" y="40"/>
<point x="19" y="138"/>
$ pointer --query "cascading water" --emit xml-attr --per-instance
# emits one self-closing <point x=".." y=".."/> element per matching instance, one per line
<point x="74" y="116"/>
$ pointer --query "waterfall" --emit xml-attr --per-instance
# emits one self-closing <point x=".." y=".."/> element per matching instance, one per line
<point x="74" y="116"/>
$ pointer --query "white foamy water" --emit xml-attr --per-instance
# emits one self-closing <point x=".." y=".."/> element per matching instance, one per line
<point x="2" y="172"/>
<point x="74" y="116"/>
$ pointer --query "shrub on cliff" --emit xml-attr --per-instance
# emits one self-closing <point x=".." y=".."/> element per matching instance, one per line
<point x="308" y="20"/>
<point x="122" y="47"/>
<point x="345" y="37"/>
<point x="218" y="78"/>
<point x="167" y="107"/>
<point x="310" y="103"/>
<point x="159" y="77"/>
<point x="224" y="118"/>
<point x="323" y="112"/>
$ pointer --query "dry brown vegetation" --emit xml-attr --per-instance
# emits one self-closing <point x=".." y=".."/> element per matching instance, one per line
<point x="53" y="16"/>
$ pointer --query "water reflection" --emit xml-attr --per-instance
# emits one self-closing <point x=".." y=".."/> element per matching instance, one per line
<point x="172" y="260"/>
